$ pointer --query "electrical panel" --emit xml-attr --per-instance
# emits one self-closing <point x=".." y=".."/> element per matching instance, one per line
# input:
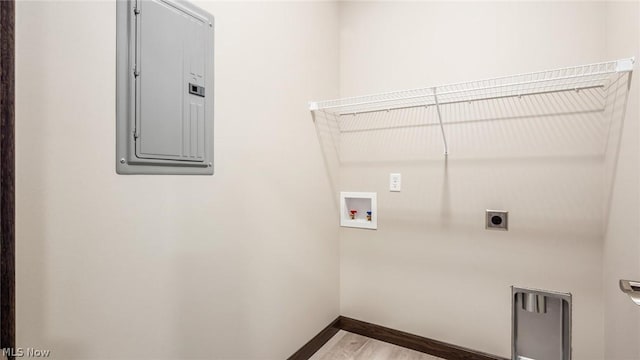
<point x="164" y="88"/>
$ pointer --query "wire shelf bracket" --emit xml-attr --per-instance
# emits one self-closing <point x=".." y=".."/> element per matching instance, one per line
<point x="576" y="78"/>
<point x="444" y="136"/>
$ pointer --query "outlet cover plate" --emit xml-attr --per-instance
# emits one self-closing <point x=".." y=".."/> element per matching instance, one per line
<point x="395" y="182"/>
<point x="497" y="220"/>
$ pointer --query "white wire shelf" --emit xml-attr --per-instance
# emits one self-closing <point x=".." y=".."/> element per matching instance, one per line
<point x="576" y="78"/>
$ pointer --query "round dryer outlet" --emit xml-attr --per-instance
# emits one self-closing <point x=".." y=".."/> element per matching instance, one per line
<point x="497" y="220"/>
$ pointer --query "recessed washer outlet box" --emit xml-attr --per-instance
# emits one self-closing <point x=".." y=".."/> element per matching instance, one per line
<point x="359" y="210"/>
<point x="497" y="220"/>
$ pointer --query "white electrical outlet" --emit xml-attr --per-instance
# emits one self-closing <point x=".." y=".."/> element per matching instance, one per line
<point x="395" y="182"/>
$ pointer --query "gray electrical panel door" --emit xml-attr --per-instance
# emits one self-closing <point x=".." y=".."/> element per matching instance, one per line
<point x="166" y="115"/>
<point x="171" y="59"/>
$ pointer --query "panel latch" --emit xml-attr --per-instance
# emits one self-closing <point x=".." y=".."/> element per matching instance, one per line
<point x="196" y="90"/>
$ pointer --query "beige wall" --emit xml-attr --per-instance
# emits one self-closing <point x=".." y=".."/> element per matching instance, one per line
<point x="431" y="268"/>
<point x="246" y="264"/>
<point x="241" y="265"/>
<point x="622" y="237"/>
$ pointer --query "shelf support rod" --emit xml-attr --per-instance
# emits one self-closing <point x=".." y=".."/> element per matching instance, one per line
<point x="573" y="89"/>
<point x="444" y="137"/>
